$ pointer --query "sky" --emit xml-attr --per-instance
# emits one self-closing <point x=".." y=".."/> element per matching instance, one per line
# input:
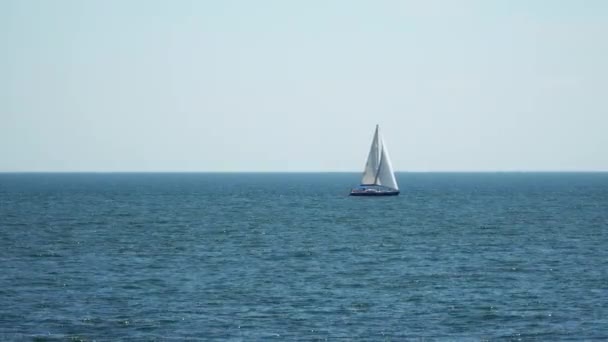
<point x="455" y="85"/>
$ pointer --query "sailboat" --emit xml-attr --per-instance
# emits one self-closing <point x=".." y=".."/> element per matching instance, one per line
<point x="378" y="176"/>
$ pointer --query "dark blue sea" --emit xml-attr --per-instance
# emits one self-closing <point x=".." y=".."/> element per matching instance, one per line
<point x="262" y="257"/>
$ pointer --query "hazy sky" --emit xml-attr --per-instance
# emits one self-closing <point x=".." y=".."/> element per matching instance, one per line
<point x="299" y="85"/>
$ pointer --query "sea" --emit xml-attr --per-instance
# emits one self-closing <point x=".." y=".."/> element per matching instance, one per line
<point x="291" y="257"/>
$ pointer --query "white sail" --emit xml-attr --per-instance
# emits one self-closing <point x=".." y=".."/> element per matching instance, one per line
<point x="373" y="161"/>
<point x="378" y="169"/>
<point x="386" y="176"/>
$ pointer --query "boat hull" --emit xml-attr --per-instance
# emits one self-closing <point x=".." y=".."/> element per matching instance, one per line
<point x="374" y="193"/>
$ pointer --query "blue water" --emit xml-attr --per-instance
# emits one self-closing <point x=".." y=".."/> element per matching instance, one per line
<point x="514" y="256"/>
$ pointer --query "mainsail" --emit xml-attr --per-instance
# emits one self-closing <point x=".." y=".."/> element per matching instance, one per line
<point x="378" y="169"/>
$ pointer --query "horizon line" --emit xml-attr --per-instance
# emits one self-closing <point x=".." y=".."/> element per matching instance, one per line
<point x="318" y="171"/>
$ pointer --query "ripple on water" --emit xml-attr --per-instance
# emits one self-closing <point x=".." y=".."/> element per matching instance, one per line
<point x="271" y="257"/>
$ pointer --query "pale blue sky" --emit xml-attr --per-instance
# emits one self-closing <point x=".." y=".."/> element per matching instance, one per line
<point x="299" y="85"/>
